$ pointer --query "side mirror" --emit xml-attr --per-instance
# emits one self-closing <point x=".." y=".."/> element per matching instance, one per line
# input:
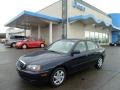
<point x="75" y="52"/>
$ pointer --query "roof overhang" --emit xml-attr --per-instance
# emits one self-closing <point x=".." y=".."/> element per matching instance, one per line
<point x="88" y="19"/>
<point x="114" y="28"/>
<point x="27" y="19"/>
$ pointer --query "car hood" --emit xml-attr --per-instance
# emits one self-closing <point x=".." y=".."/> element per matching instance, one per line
<point x="41" y="57"/>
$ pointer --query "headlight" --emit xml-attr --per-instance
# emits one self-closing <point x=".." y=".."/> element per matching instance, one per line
<point x="34" y="68"/>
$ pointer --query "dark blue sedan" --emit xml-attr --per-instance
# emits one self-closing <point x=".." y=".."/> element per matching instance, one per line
<point x="59" y="60"/>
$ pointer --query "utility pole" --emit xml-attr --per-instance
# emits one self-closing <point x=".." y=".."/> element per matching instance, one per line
<point x="64" y="19"/>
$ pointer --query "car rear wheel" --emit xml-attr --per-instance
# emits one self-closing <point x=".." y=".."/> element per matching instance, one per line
<point x="99" y="63"/>
<point x="13" y="44"/>
<point x="115" y="44"/>
<point x="24" y="46"/>
<point x="42" y="45"/>
<point x="57" y="77"/>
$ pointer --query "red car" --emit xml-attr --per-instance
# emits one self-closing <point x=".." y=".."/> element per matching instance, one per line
<point x="30" y="43"/>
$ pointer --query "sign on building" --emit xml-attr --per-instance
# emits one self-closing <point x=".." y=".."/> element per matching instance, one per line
<point x="78" y="5"/>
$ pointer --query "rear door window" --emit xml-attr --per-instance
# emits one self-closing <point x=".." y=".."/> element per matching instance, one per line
<point x="81" y="46"/>
<point x="18" y="37"/>
<point x="91" y="45"/>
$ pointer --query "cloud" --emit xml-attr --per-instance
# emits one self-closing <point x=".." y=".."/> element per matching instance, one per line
<point x="108" y="6"/>
<point x="10" y="8"/>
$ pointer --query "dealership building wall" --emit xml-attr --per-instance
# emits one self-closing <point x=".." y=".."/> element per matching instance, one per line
<point x="88" y="30"/>
<point x="86" y="23"/>
<point x="116" y="22"/>
<point x="79" y="29"/>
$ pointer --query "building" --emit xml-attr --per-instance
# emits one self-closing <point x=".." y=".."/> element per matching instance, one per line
<point x="84" y="22"/>
<point x="2" y="37"/>
<point x="116" y="22"/>
<point x="16" y="31"/>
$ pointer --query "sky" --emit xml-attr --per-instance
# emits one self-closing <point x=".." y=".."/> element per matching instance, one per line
<point x="10" y="8"/>
<point x="108" y="6"/>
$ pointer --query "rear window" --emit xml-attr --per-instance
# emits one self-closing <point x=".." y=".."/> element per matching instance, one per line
<point x="18" y="37"/>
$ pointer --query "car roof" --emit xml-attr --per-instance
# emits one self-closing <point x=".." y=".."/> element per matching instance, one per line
<point x="75" y="40"/>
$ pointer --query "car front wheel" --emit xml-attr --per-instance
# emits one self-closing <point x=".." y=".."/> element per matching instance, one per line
<point x="24" y="46"/>
<point x="57" y="77"/>
<point x="99" y="63"/>
<point x="42" y="45"/>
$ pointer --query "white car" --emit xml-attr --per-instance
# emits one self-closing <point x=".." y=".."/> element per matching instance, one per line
<point x="3" y="40"/>
<point x="13" y="40"/>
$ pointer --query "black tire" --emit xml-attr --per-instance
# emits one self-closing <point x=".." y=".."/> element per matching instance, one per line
<point x="13" y="45"/>
<point x="115" y="45"/>
<point x="24" y="46"/>
<point x="99" y="63"/>
<point x="61" y="77"/>
<point x="111" y="44"/>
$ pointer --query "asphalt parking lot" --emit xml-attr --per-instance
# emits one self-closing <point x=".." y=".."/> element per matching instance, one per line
<point x="106" y="79"/>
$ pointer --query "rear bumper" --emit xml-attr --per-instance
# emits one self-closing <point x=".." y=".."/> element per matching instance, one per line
<point x="7" y="44"/>
<point x="111" y="44"/>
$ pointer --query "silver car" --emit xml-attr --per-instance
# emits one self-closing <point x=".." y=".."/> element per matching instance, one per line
<point x="13" y="40"/>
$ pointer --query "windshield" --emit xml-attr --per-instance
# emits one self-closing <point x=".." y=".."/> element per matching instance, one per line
<point x="61" y="46"/>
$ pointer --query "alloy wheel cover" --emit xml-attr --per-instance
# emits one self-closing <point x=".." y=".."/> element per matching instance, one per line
<point x="58" y="77"/>
<point x="100" y="62"/>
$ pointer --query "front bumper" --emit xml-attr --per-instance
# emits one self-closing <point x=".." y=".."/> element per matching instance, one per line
<point x="18" y="46"/>
<point x="34" y="77"/>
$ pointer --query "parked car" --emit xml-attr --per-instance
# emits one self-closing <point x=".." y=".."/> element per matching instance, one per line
<point x="3" y="40"/>
<point x="30" y="43"/>
<point x="59" y="60"/>
<point x="117" y="43"/>
<point x="13" y="40"/>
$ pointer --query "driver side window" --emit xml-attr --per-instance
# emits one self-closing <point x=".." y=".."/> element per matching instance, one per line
<point x="81" y="46"/>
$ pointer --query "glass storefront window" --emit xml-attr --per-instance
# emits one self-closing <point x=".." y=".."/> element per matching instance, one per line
<point x="100" y="37"/>
<point x="107" y="38"/>
<point x="97" y="37"/>
<point x="104" y="38"/>
<point x="92" y="36"/>
<point x="87" y="34"/>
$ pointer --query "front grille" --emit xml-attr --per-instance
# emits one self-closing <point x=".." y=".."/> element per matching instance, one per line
<point x="21" y="65"/>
